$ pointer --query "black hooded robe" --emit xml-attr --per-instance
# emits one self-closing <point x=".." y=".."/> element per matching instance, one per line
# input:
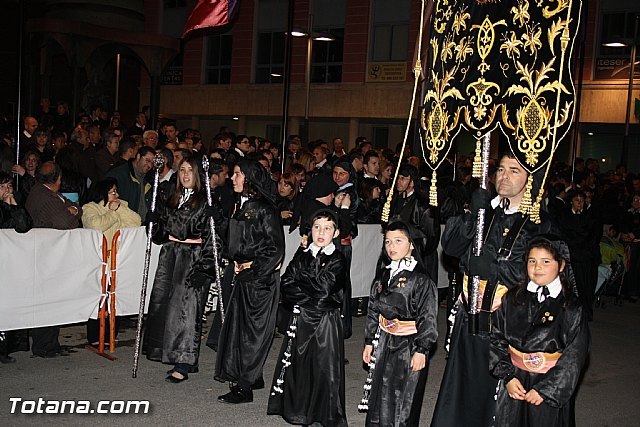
<point x="528" y="328"/>
<point x="313" y="389"/>
<point x="396" y="391"/>
<point x="174" y="324"/>
<point x="255" y="235"/>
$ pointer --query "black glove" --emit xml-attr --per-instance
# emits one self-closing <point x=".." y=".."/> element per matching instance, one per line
<point x="480" y="266"/>
<point x="480" y="199"/>
<point x="152" y="216"/>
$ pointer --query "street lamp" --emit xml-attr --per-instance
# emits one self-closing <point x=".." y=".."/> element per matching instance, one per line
<point x="311" y="37"/>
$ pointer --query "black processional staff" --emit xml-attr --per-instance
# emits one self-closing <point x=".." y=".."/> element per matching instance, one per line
<point x="212" y="226"/>
<point x="158" y="163"/>
<point x="478" y="241"/>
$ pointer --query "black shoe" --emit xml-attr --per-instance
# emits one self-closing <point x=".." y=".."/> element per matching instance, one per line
<point x="346" y="361"/>
<point x="191" y="370"/>
<point x="258" y="385"/>
<point x="9" y="359"/>
<point x="175" y="380"/>
<point x="237" y="395"/>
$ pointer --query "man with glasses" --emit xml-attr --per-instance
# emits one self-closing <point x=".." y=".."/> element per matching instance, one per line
<point x="150" y="139"/>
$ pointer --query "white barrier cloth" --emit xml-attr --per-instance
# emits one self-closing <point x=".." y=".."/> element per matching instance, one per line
<point x="48" y="277"/>
<point x="129" y="268"/>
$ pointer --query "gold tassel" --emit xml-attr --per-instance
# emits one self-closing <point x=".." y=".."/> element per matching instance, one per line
<point x="477" y="161"/>
<point x="535" y="209"/>
<point x="433" y="190"/>
<point x="526" y="207"/>
<point x="387" y="208"/>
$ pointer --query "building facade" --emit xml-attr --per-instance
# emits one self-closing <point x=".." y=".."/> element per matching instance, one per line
<point x="361" y="80"/>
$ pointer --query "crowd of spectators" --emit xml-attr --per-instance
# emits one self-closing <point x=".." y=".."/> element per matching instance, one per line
<point x="97" y="172"/>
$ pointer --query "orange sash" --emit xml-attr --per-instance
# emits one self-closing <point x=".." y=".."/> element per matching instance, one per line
<point x="538" y="363"/>
<point x="398" y="327"/>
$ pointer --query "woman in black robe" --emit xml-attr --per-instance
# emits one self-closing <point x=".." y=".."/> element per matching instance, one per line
<point x="256" y="247"/>
<point x="185" y="270"/>
<point x="402" y="319"/>
<point x="539" y="318"/>
<point x="311" y="389"/>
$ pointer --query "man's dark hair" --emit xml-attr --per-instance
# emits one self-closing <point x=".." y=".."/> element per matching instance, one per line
<point x="369" y="155"/>
<point x="52" y="173"/>
<point x="143" y="151"/>
<point x="216" y="166"/>
<point x="240" y="138"/>
<point x="125" y="145"/>
<point x="355" y="155"/>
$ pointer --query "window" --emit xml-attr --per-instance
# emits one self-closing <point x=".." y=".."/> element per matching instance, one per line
<point x="326" y="64"/>
<point x="326" y="61"/>
<point x="270" y="57"/>
<point x="390" y="31"/>
<point x="270" y="40"/>
<point x="218" y="59"/>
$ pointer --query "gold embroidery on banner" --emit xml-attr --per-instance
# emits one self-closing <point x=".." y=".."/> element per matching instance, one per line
<point x="436" y="122"/>
<point x="490" y="64"/>
<point x="486" y="38"/>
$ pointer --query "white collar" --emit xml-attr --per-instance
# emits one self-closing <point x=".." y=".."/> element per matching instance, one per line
<point x="409" y="194"/>
<point x="167" y="176"/>
<point x="321" y="164"/>
<point x="555" y="287"/>
<point x="347" y="185"/>
<point x="239" y="151"/>
<point x="184" y="198"/>
<point x="242" y="200"/>
<point x="396" y="267"/>
<point x="366" y="175"/>
<point x="327" y="250"/>
<point x="509" y="211"/>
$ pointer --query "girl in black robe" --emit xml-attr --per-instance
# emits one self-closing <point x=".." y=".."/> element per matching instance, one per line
<point x="539" y="343"/>
<point x="402" y="322"/>
<point x="185" y="270"/>
<point x="256" y="247"/>
<point x="311" y="389"/>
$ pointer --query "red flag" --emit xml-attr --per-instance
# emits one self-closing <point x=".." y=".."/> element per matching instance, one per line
<point x="210" y="13"/>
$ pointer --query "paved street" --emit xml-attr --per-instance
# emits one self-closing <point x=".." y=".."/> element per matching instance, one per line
<point x="608" y="395"/>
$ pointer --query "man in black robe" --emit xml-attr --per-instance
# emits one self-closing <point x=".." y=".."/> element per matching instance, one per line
<point x="467" y="400"/>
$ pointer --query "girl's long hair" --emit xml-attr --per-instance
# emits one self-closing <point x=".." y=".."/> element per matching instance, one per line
<point x="198" y="189"/>
<point x="517" y="294"/>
